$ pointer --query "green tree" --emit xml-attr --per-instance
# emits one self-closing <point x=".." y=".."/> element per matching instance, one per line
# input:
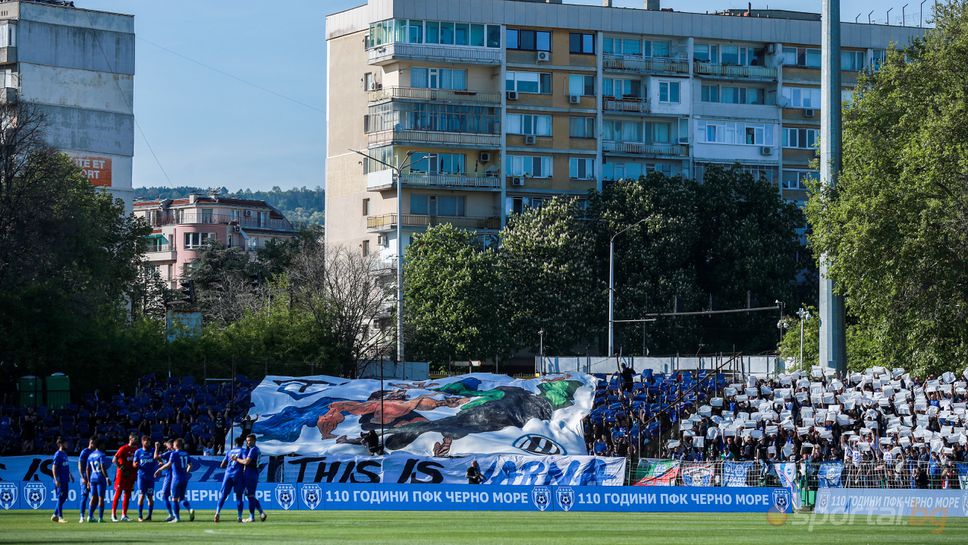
<point x="454" y="298"/>
<point x="896" y="226"/>
<point x="549" y="271"/>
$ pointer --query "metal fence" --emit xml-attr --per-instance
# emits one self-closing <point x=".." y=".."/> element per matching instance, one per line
<point x="903" y="474"/>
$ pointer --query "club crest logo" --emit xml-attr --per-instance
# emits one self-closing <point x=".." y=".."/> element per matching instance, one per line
<point x="311" y="496"/>
<point x="538" y="444"/>
<point x="541" y="497"/>
<point x="35" y="494"/>
<point x="964" y="503"/>
<point x="781" y="499"/>
<point x="566" y="498"/>
<point x="285" y="496"/>
<point x="8" y="496"/>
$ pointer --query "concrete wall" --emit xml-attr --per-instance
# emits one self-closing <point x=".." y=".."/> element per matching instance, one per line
<point x="72" y="47"/>
<point x="89" y="130"/>
<point x="71" y="87"/>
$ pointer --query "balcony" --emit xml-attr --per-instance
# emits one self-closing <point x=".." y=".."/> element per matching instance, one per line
<point x="627" y="105"/>
<point x="705" y="69"/>
<point x="639" y="65"/>
<point x="388" y="53"/>
<point x="382" y="180"/>
<point x="638" y="148"/>
<point x="435" y="95"/>
<point x="388" y="222"/>
<point x="410" y="136"/>
<point x="193" y="217"/>
<point x="8" y="54"/>
<point x="162" y="253"/>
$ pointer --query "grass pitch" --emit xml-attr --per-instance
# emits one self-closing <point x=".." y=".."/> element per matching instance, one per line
<point x="459" y="528"/>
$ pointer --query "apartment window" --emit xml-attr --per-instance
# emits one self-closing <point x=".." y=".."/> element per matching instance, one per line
<point x="629" y="47"/>
<point x="197" y="240"/>
<point x="537" y="125"/>
<point x="580" y="43"/>
<point x="710" y="93"/>
<point x="528" y="82"/>
<point x="366" y="207"/>
<point x="852" y="61"/>
<point x="669" y="92"/>
<point x="706" y="53"/>
<point x="656" y="48"/>
<point x="437" y="205"/>
<point x="804" y="57"/>
<point x="797" y="179"/>
<point x="722" y="132"/>
<point x="800" y="138"/>
<point x="438" y="78"/>
<point x="433" y="32"/>
<point x="531" y="166"/>
<point x="8" y="34"/>
<point x="801" y="97"/>
<point x="263" y="219"/>
<point x="581" y="127"/>
<point x="207" y="215"/>
<point x="437" y="163"/>
<point x="733" y="95"/>
<point x="622" y="88"/>
<point x="529" y="40"/>
<point x="580" y="168"/>
<point x="877" y="58"/>
<point x="622" y="131"/>
<point x="581" y="85"/>
<point x="365" y="248"/>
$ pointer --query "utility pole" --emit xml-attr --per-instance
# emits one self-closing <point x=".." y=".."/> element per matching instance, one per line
<point x="611" y="288"/>
<point x="833" y="347"/>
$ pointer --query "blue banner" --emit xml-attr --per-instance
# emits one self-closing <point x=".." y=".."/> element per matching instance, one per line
<point x="828" y="475"/>
<point x="734" y="473"/>
<point x="394" y="497"/>
<point x="876" y="502"/>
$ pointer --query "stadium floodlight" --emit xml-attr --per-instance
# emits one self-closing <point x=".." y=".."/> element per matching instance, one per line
<point x="611" y="288"/>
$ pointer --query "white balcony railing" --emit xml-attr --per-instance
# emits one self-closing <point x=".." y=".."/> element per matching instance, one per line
<point x="740" y="72"/>
<point x="440" y="95"/>
<point x="442" y="53"/>
<point x="403" y="136"/>
<point x="638" y="148"/>
<point x="160" y="255"/>
<point x="641" y="65"/>
<point x="633" y="105"/>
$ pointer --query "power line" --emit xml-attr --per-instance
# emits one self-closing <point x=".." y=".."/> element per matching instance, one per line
<point x="233" y="76"/>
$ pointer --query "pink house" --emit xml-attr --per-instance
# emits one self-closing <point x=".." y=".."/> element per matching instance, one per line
<point x="182" y="226"/>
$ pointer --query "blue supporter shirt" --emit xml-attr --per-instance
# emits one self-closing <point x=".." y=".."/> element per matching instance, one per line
<point x="233" y="468"/>
<point x="147" y="465"/>
<point x="62" y="467"/>
<point x="82" y="461"/>
<point x="95" y="463"/>
<point x="180" y="461"/>
<point x="252" y="470"/>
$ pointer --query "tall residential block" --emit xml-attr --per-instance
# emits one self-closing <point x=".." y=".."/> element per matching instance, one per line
<point x="489" y="107"/>
<point x="76" y="68"/>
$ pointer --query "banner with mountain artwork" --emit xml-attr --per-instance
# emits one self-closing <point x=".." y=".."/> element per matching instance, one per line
<point x="479" y="413"/>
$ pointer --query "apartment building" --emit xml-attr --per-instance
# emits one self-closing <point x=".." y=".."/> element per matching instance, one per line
<point x="181" y="227"/>
<point x="76" y="68"/>
<point x="488" y="107"/>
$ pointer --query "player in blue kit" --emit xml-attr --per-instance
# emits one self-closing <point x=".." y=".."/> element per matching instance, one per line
<point x="146" y="462"/>
<point x="180" y="464"/>
<point x="232" y="481"/>
<point x="62" y="479"/>
<point x="251" y="477"/>
<point x="97" y="470"/>
<point x="84" y="478"/>
<point x="166" y="484"/>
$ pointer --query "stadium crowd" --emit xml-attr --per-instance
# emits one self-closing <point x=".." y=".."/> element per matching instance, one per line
<point x="160" y="407"/>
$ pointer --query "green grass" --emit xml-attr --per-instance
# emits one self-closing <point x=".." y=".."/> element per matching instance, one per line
<point x="458" y="528"/>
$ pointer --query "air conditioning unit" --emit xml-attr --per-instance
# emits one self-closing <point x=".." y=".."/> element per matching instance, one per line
<point x="544" y="56"/>
<point x="375" y="86"/>
<point x="574" y="99"/>
<point x="511" y="95"/>
<point x="484" y="157"/>
<point x="517" y="181"/>
<point x="248" y="213"/>
<point x="809" y="112"/>
<point x="237" y="228"/>
<point x="766" y="150"/>
<point x="530" y="139"/>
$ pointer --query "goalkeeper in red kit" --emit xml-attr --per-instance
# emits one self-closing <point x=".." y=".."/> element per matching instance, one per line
<point x="125" y="477"/>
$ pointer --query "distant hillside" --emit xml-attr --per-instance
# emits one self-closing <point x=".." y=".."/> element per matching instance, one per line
<point x="302" y="206"/>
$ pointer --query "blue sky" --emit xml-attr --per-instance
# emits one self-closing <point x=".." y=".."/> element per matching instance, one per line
<point x="208" y="128"/>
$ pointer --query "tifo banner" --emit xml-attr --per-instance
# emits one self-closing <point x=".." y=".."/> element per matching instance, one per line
<point x="786" y="472"/>
<point x="398" y="468"/>
<point x="892" y="502"/>
<point x="659" y="473"/>
<point x="734" y="473"/>
<point x="472" y="414"/>
<point x="698" y="474"/>
<point x="828" y="475"/>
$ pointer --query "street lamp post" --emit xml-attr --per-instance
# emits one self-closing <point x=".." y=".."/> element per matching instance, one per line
<point x="397" y="169"/>
<point x="541" y="333"/>
<point x="611" y="288"/>
<point x="804" y="315"/>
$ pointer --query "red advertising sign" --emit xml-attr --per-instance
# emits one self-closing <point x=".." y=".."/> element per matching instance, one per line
<point x="96" y="169"/>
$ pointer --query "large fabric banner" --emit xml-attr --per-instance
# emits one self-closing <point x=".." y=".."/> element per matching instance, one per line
<point x="892" y="504"/>
<point x="472" y="414"/>
<point x="828" y="475"/>
<point x="734" y="473"/>
<point x="786" y="472"/>
<point x="395" y="469"/>
<point x="659" y="473"/>
<point x="698" y="474"/>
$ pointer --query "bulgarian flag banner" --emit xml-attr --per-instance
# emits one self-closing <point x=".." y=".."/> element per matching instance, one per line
<point x="658" y="473"/>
